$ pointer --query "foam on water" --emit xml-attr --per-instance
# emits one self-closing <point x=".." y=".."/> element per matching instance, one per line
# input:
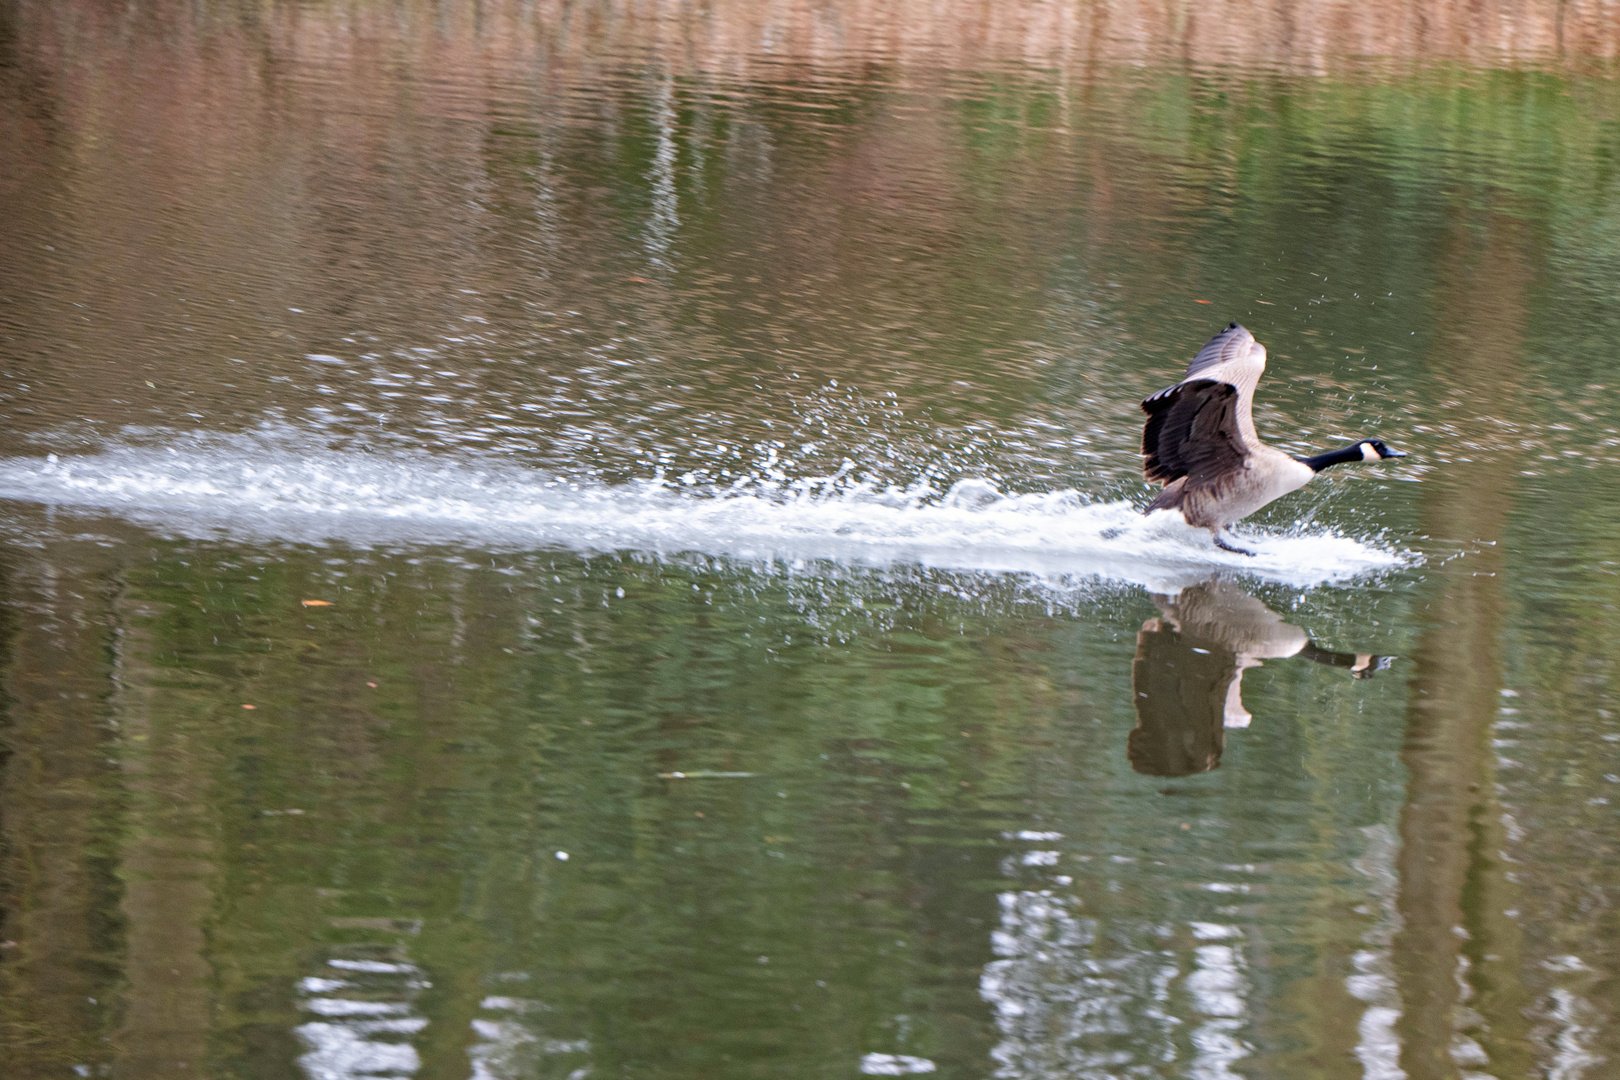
<point x="263" y="488"/>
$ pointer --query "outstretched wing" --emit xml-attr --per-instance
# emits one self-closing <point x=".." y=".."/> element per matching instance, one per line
<point x="1201" y="427"/>
<point x="1192" y="431"/>
<point x="1232" y="356"/>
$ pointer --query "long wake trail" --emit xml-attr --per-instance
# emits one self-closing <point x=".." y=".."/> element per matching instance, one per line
<point x="267" y="489"/>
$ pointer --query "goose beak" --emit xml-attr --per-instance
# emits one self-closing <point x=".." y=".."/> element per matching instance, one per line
<point x="1390" y="451"/>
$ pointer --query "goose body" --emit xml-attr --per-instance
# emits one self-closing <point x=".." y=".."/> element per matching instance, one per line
<point x="1200" y="443"/>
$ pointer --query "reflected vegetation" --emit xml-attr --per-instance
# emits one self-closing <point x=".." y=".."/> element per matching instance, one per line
<point x="572" y="540"/>
<point x="1187" y="677"/>
<point x="809" y="817"/>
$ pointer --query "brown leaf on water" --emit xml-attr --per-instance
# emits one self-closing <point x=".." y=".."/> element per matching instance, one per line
<point x="1203" y="301"/>
<point x="639" y="280"/>
<point x="316" y="603"/>
<point x="250" y="706"/>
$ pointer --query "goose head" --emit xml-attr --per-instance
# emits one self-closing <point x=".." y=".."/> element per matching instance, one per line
<point x="1365" y="450"/>
<point x="1376" y="450"/>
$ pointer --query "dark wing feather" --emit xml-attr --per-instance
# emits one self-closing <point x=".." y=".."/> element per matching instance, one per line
<point x="1233" y="343"/>
<point x="1191" y="431"/>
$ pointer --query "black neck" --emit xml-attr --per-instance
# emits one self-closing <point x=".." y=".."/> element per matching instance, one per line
<point x="1334" y="457"/>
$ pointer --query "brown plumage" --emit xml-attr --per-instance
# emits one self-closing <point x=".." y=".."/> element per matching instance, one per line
<point x="1200" y="443"/>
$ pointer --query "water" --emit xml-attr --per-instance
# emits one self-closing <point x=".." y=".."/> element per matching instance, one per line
<point x="278" y="486"/>
<point x="564" y="542"/>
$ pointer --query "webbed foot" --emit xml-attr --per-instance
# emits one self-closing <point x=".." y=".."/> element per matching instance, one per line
<point x="1222" y="543"/>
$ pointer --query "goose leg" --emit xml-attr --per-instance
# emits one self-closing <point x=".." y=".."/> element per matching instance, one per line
<point x="1222" y="543"/>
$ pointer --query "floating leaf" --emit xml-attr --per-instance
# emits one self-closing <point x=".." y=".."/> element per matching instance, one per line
<point x="316" y="603"/>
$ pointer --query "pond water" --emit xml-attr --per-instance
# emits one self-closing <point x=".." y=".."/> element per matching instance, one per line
<point x="592" y="541"/>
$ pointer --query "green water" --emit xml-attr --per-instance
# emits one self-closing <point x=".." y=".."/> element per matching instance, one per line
<point x="795" y="765"/>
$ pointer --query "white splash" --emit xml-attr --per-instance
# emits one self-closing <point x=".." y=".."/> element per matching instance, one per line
<point x="269" y="486"/>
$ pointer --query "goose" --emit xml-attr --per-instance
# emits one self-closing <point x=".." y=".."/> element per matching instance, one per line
<point x="1199" y="442"/>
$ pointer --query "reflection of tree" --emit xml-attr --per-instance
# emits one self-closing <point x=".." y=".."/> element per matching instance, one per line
<point x="59" y="890"/>
<point x="362" y="1015"/>
<point x="1456" y="941"/>
<point x="505" y="726"/>
<point x="167" y="853"/>
<point x="1076" y="997"/>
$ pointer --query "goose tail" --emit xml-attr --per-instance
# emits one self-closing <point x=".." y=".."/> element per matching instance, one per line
<point x="1171" y="497"/>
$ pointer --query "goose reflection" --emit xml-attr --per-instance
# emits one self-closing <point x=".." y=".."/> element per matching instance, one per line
<point x="1187" y="677"/>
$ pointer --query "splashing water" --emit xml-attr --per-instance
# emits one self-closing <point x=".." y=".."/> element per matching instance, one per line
<point x="267" y="486"/>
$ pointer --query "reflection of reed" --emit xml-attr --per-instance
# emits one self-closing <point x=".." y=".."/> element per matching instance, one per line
<point x="742" y="38"/>
<point x="739" y="36"/>
<point x="1304" y="36"/>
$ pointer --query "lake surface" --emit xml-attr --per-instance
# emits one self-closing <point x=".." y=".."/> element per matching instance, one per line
<point x="588" y="541"/>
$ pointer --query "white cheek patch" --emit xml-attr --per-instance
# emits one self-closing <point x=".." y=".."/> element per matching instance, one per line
<point x="1368" y="453"/>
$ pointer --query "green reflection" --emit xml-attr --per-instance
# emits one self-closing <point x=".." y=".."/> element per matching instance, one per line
<point x="867" y="760"/>
<point x="906" y="821"/>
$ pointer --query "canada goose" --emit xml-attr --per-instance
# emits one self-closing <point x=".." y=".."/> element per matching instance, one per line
<point x="1199" y="441"/>
<point x="1187" y="678"/>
